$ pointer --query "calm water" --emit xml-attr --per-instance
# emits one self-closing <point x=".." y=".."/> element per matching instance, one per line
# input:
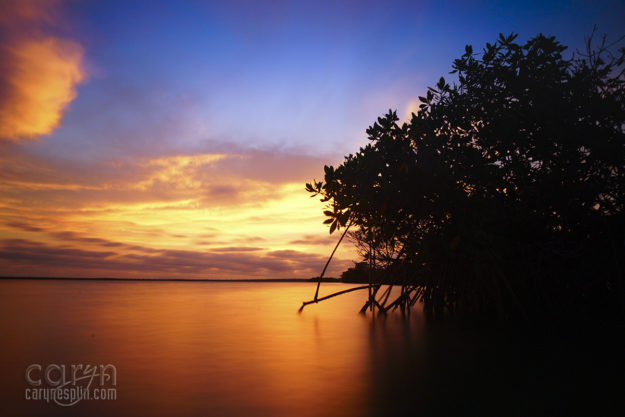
<point x="241" y="349"/>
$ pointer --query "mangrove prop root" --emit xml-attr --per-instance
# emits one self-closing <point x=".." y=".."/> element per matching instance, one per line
<point x="329" y="259"/>
<point x="316" y="300"/>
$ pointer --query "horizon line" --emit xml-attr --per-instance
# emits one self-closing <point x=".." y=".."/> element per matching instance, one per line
<point x="163" y="279"/>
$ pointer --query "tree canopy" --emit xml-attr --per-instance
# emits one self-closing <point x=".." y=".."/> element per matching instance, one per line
<point x="504" y="193"/>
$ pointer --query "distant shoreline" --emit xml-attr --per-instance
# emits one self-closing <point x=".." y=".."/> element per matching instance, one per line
<point x="160" y="279"/>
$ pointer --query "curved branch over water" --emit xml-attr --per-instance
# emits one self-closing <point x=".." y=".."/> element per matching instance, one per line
<point x="316" y="300"/>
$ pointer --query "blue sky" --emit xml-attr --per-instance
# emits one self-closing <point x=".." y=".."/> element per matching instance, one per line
<point x="291" y="75"/>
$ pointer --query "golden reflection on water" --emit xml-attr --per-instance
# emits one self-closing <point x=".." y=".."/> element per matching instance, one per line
<point x="184" y="348"/>
<point x="241" y="349"/>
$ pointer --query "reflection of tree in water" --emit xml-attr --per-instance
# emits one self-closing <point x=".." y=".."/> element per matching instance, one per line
<point x="447" y="369"/>
<point x="503" y="196"/>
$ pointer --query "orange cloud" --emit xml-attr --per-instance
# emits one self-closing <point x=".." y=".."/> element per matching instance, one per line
<point x="39" y="72"/>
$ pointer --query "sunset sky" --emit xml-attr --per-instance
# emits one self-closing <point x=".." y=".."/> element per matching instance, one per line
<point x="173" y="139"/>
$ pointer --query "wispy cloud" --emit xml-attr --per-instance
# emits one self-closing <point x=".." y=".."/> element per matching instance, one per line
<point x="24" y="226"/>
<point x="57" y="260"/>
<point x="325" y="240"/>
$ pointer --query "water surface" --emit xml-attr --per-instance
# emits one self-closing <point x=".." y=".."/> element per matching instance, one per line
<point x="241" y="349"/>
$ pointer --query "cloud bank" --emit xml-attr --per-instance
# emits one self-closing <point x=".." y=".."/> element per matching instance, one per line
<point x="229" y="214"/>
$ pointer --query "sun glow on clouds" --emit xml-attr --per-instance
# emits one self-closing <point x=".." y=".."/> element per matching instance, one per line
<point x="187" y="216"/>
<point x="223" y="211"/>
<point x="177" y="170"/>
<point x="38" y="72"/>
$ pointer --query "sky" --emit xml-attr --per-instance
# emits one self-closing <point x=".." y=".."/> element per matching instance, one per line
<point x="173" y="139"/>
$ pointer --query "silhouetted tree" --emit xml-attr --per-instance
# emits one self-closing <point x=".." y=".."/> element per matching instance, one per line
<point x="504" y="193"/>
